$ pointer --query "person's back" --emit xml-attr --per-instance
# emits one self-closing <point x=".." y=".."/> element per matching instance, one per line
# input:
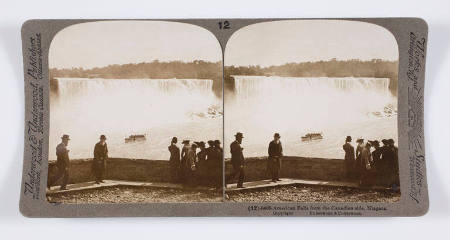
<point x="237" y="157"/>
<point x="62" y="164"/>
<point x="366" y="157"/>
<point x="184" y="152"/>
<point x="359" y="149"/>
<point x="191" y="158"/>
<point x="376" y="156"/>
<point x="62" y="155"/>
<point x="174" y="153"/>
<point x="202" y="155"/>
<point x="387" y="156"/>
<point x="219" y="155"/>
<point x="349" y="152"/>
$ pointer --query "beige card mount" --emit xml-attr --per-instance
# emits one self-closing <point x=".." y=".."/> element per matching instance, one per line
<point x="224" y="117"/>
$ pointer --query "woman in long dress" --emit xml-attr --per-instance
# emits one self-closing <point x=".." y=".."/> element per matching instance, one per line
<point x="190" y="166"/>
<point x="174" y="160"/>
<point x="366" y="161"/>
<point x="358" y="161"/>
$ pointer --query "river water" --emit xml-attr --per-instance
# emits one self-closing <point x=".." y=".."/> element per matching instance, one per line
<point x="335" y="107"/>
<point x="160" y="108"/>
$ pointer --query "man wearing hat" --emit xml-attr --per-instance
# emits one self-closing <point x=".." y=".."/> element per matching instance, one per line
<point x="275" y="154"/>
<point x="349" y="159"/>
<point x="100" y="156"/>
<point x="237" y="159"/>
<point x="62" y="163"/>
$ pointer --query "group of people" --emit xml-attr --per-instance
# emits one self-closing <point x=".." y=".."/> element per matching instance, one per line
<point x="196" y="164"/>
<point x="62" y="162"/>
<point x="188" y="166"/>
<point x="372" y="164"/>
<point x="275" y="152"/>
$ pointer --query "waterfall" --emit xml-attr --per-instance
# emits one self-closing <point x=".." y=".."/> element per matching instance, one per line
<point x="311" y="96"/>
<point x="81" y="87"/>
<point x="259" y="106"/>
<point x="248" y="86"/>
<point x="85" y="108"/>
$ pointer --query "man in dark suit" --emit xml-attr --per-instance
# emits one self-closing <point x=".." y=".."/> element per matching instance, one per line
<point x="100" y="156"/>
<point x="62" y="163"/>
<point x="275" y="153"/>
<point x="237" y="159"/>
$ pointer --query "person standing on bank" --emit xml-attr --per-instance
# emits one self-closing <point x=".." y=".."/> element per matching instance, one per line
<point x="349" y="160"/>
<point x="358" y="162"/>
<point x="190" y="167"/>
<point x="201" y="156"/>
<point x="387" y="155"/>
<point x="62" y="163"/>
<point x="395" y="181"/>
<point x="365" y="167"/>
<point x="275" y="153"/>
<point x="174" y="160"/>
<point x="100" y="156"/>
<point x="184" y="151"/>
<point x="217" y="169"/>
<point x="219" y="149"/>
<point x="237" y="159"/>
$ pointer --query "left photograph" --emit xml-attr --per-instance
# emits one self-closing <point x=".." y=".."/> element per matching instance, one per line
<point x="136" y="113"/>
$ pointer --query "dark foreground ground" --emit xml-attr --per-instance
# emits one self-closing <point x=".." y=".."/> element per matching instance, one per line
<point x="136" y="195"/>
<point x="313" y="194"/>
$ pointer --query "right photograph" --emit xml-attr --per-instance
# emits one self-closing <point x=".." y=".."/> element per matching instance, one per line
<point x="310" y="112"/>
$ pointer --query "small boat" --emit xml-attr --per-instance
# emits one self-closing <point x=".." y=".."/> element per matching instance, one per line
<point x="312" y="136"/>
<point x="134" y="138"/>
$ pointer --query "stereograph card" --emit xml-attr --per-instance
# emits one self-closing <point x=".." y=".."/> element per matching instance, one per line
<point x="224" y="117"/>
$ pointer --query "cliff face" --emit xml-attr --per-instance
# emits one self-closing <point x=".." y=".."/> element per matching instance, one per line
<point x="80" y="170"/>
<point x="159" y="171"/>
<point x="293" y="167"/>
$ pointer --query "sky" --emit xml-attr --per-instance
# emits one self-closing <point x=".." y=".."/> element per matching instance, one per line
<point x="280" y="42"/>
<point x="98" y="44"/>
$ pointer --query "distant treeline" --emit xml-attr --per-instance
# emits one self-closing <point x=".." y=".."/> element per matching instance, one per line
<point x="213" y="70"/>
<point x="155" y="69"/>
<point x="334" y="68"/>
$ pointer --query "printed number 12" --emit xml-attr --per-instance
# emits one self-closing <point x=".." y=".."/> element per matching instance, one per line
<point x="224" y="25"/>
